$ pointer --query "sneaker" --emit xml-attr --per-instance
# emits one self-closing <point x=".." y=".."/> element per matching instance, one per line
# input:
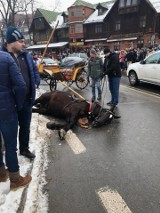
<point x="110" y="103"/>
<point x="27" y="154"/>
<point x="93" y="99"/>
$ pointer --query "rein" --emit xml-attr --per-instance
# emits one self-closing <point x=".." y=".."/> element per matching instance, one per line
<point x="72" y="102"/>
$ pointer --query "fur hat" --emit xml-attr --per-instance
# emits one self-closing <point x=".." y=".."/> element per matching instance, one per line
<point x="106" y="50"/>
<point x="13" y="34"/>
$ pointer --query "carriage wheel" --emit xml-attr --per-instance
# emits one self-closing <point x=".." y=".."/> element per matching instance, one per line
<point x="82" y="79"/>
<point x="69" y="83"/>
<point x="53" y="84"/>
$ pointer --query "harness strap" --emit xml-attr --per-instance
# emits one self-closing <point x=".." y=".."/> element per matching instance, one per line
<point x="90" y="108"/>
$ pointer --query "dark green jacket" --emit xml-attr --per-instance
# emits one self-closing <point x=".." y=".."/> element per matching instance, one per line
<point x="95" y="67"/>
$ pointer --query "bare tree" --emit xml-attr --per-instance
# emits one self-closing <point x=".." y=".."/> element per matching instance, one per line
<point x="29" y="13"/>
<point x="9" y="8"/>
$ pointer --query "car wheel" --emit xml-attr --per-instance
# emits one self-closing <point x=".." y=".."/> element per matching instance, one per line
<point x="133" y="79"/>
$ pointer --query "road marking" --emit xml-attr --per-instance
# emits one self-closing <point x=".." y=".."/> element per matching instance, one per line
<point x="112" y="201"/>
<point x="143" y="92"/>
<point x="74" y="143"/>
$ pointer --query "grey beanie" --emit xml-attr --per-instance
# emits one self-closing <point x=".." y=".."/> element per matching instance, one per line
<point x="13" y="34"/>
<point x="92" y="51"/>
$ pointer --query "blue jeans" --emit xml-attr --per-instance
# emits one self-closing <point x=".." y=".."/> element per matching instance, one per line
<point x="24" y="119"/>
<point x="96" y="83"/>
<point x="9" y="129"/>
<point x="114" y="83"/>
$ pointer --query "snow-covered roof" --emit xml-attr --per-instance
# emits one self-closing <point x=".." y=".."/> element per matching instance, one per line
<point x="94" y="17"/>
<point x="60" y="19"/>
<point x="155" y="4"/>
<point x="53" y="45"/>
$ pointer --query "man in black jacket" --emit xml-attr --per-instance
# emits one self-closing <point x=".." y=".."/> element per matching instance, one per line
<point x="113" y="70"/>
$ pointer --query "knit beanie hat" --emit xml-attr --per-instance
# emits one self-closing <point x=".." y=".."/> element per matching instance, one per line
<point x="106" y="50"/>
<point x="13" y="34"/>
<point x="92" y="51"/>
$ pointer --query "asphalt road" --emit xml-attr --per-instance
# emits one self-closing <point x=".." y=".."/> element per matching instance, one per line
<point x="116" y="167"/>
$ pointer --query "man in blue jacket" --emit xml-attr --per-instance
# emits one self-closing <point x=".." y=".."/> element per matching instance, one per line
<point x="15" y="45"/>
<point x="12" y="94"/>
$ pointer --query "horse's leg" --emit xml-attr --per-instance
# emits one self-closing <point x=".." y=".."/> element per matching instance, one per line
<point x="40" y="110"/>
<point x="38" y="100"/>
<point x="71" y="122"/>
<point x="59" y="127"/>
<point x="54" y="126"/>
<point x="63" y="128"/>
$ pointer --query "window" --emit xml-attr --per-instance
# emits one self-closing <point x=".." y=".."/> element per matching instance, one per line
<point x="154" y="59"/>
<point x="79" y="28"/>
<point x="143" y="21"/>
<point x="100" y="11"/>
<point x="78" y="12"/>
<point x="140" y="43"/>
<point x="72" y="12"/>
<point x="122" y="3"/>
<point x="39" y="24"/>
<point x="117" y="46"/>
<point x="72" y="29"/>
<point x="98" y="28"/>
<point x="134" y="2"/>
<point x="128" y="3"/>
<point x="117" y="25"/>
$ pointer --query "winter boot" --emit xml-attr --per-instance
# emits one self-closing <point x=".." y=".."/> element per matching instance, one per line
<point x="18" y="181"/>
<point x="3" y="174"/>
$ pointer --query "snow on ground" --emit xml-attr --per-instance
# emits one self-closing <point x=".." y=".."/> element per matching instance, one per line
<point x="31" y="199"/>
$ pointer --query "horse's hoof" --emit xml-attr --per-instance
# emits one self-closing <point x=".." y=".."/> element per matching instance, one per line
<point x="49" y="125"/>
<point x="61" y="134"/>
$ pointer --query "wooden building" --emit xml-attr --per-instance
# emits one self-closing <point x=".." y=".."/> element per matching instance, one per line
<point x="118" y="24"/>
<point x="96" y="30"/>
<point x="133" y="23"/>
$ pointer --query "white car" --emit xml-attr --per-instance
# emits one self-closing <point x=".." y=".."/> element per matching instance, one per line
<point x="147" y="70"/>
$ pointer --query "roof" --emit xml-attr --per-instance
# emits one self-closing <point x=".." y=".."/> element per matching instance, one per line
<point x="52" y="17"/>
<point x="94" y="17"/>
<point x="49" y="16"/>
<point x="82" y="3"/>
<point x="155" y="4"/>
<point x="42" y="46"/>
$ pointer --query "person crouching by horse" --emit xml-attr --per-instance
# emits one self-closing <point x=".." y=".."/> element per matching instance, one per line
<point x="95" y="70"/>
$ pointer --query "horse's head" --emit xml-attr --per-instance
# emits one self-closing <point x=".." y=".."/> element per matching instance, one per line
<point x="95" y="108"/>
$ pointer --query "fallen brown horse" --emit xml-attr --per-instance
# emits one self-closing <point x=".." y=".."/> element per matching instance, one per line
<point x="63" y="105"/>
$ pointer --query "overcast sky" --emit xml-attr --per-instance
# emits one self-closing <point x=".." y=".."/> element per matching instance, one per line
<point x="63" y="5"/>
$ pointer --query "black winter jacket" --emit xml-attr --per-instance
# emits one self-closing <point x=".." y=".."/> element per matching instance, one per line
<point x="112" y="66"/>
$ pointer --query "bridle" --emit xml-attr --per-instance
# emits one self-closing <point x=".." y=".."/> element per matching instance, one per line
<point x="91" y="110"/>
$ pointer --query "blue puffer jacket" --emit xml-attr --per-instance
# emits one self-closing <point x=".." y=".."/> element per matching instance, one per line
<point x="33" y="72"/>
<point x="12" y="87"/>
